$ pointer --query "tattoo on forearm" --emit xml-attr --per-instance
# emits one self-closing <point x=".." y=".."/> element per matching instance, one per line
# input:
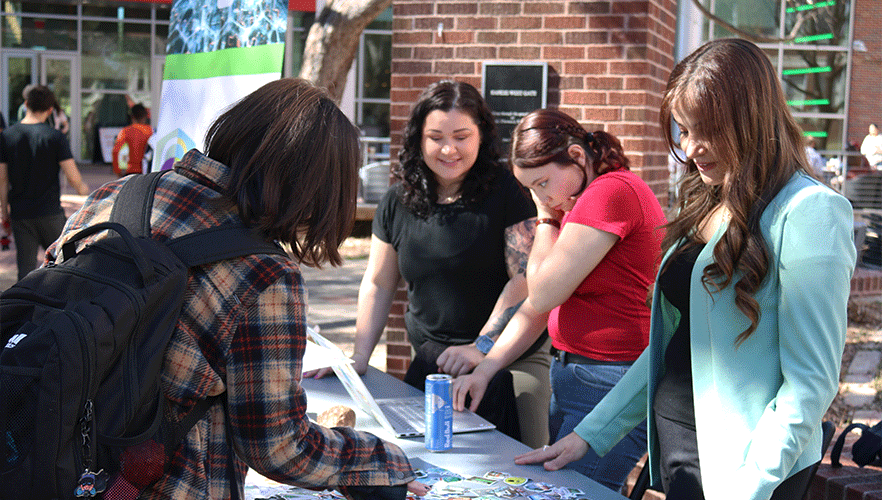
<point x="518" y="241"/>
<point x="503" y="320"/>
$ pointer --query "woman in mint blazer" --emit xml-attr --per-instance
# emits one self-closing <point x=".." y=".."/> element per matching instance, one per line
<point x="749" y="307"/>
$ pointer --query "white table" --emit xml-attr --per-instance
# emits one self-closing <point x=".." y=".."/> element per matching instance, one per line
<point x="473" y="453"/>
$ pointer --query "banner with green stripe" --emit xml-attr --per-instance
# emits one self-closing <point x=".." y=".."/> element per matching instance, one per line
<point x="218" y="52"/>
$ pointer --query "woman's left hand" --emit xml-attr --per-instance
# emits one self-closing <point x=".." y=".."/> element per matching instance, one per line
<point x="568" y="449"/>
<point x="543" y="211"/>
<point x="458" y="360"/>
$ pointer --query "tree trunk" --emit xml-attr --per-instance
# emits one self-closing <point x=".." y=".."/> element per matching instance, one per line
<point x="333" y="40"/>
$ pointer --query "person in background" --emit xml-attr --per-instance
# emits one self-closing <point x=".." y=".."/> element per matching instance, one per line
<point x="284" y="161"/>
<point x="749" y="308"/>
<point x="594" y="257"/>
<point x="816" y="161"/>
<point x="58" y="119"/>
<point x="31" y="155"/>
<point x="131" y="143"/>
<point x="458" y="228"/>
<point x="871" y="147"/>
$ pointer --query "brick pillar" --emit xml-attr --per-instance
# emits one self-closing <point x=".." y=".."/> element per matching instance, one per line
<point x="865" y="106"/>
<point x="608" y="65"/>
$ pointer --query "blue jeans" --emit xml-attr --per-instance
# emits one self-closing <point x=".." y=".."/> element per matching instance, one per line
<point x="575" y="390"/>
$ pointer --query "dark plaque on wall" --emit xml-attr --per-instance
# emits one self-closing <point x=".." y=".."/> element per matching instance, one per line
<point x="512" y="90"/>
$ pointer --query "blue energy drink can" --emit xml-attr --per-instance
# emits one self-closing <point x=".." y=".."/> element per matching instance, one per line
<point x="439" y="413"/>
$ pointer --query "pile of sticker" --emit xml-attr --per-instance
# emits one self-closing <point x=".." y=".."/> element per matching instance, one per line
<point x="492" y="485"/>
<point x="445" y="485"/>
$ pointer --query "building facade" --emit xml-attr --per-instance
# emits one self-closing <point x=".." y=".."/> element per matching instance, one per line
<point x="101" y="57"/>
<point x="609" y="60"/>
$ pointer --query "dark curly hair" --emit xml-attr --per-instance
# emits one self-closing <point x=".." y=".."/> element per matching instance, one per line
<point x="418" y="189"/>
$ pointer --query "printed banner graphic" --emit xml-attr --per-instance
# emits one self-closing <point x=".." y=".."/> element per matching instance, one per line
<point x="218" y="52"/>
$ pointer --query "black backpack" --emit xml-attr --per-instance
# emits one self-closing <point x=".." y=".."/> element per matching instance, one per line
<point x="83" y="341"/>
<point x="867" y="450"/>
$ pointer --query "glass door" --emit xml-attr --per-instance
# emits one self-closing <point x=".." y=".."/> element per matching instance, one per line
<point x="57" y="70"/>
<point x="19" y="69"/>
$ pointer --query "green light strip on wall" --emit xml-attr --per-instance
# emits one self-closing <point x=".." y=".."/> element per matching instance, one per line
<point x="810" y="6"/>
<point x="803" y="71"/>
<point x="810" y="102"/>
<point x="813" y="38"/>
<point x="819" y="133"/>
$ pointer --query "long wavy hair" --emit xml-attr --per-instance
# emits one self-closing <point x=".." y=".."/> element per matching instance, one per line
<point x="418" y="189"/>
<point x="294" y="158"/>
<point x="545" y="135"/>
<point x="732" y="93"/>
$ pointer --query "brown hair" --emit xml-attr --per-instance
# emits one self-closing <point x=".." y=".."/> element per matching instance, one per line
<point x="544" y="136"/>
<point x="733" y="94"/>
<point x="294" y="159"/>
<point x="39" y="98"/>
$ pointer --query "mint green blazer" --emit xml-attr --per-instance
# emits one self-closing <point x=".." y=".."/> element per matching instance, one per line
<point x="758" y="406"/>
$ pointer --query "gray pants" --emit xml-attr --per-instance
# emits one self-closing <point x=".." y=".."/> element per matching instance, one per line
<point x="31" y="234"/>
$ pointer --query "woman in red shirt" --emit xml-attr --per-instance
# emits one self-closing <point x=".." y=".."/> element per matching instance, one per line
<point x="593" y="259"/>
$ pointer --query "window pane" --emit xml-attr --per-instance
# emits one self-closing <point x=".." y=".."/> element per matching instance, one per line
<point x="116" y="56"/>
<point x="826" y="131"/>
<point x="814" y="81"/>
<point x="377" y="71"/>
<point x="38" y="8"/>
<point x="161" y="39"/>
<point x="101" y="111"/>
<point x="375" y="119"/>
<point x="820" y="23"/>
<point x="129" y="11"/>
<point x="39" y="33"/>
<point x="383" y="21"/>
<point x="759" y="17"/>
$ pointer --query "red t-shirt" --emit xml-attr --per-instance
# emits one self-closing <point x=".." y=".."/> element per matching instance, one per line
<point x="606" y="318"/>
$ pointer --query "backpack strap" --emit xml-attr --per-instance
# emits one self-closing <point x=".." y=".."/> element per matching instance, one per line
<point x="840" y="442"/>
<point x="134" y="205"/>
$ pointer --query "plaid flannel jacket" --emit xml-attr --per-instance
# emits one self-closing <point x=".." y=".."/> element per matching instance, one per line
<point x="242" y="330"/>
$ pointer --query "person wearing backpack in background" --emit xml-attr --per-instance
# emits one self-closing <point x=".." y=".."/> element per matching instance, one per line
<point x="131" y="143"/>
<point x="284" y="162"/>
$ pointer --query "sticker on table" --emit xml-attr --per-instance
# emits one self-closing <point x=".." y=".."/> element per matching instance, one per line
<point x="515" y="481"/>
<point x="495" y="474"/>
<point x="538" y="487"/>
<point x="481" y="480"/>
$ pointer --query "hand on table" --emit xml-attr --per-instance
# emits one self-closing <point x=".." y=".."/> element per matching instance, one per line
<point x="359" y="363"/>
<point x="417" y="488"/>
<point x="458" y="360"/>
<point x="473" y="384"/>
<point x="568" y="449"/>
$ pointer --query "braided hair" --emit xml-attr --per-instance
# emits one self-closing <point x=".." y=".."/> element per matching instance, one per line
<point x="545" y="135"/>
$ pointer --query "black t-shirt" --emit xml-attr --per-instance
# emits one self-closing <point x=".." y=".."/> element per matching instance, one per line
<point x="32" y="153"/>
<point x="673" y="396"/>
<point x="453" y="261"/>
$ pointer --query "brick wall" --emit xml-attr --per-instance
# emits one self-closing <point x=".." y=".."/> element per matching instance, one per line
<point x="608" y="65"/>
<point x="865" y="106"/>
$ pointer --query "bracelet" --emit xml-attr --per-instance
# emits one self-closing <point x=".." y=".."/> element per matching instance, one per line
<point x="553" y="222"/>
